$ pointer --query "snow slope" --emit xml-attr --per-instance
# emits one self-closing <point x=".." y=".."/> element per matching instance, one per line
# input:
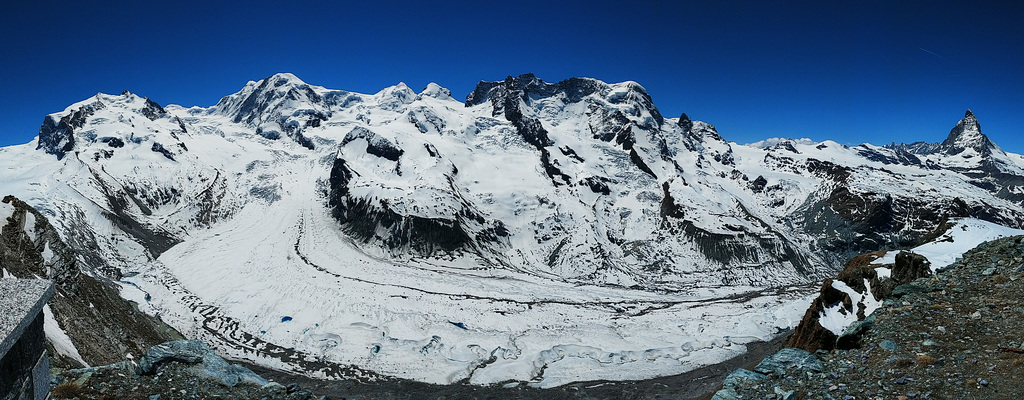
<point x="965" y="235"/>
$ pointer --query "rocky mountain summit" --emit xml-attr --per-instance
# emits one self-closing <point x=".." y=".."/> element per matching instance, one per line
<point x="951" y="335"/>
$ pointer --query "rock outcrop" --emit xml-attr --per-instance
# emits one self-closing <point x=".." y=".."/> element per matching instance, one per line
<point x="858" y="274"/>
<point x="205" y="360"/>
<point x="182" y="369"/>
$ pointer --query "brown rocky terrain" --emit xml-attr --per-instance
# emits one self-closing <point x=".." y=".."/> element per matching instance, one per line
<point x="811" y="336"/>
<point x="954" y="335"/>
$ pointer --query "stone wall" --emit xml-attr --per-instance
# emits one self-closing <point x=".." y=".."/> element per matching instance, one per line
<point x="24" y="366"/>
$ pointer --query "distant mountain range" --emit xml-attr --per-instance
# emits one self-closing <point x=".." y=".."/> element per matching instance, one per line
<point x="535" y="232"/>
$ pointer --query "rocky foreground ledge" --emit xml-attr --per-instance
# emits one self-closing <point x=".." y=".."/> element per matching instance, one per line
<point x="190" y="370"/>
<point x="182" y="369"/>
<point x="954" y="335"/>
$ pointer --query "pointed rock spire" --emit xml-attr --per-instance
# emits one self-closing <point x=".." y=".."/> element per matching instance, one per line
<point x="685" y="122"/>
<point x="967" y="135"/>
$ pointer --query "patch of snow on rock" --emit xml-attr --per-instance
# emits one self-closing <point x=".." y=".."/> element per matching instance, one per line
<point x="58" y="338"/>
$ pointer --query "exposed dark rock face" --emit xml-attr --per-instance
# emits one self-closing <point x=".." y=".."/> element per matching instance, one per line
<point x="954" y="335"/>
<point x="58" y="137"/>
<point x="597" y="184"/>
<point x="900" y="156"/>
<point x="113" y="142"/>
<point x="919" y="148"/>
<point x="685" y="123"/>
<point x="365" y="219"/>
<point x="522" y="86"/>
<point x="154" y="239"/>
<point x="23" y="255"/>
<point x="758" y="184"/>
<point x="857" y="274"/>
<point x="669" y="208"/>
<point x="607" y="125"/>
<point x="527" y="86"/>
<point x="89" y="308"/>
<point x="508" y="98"/>
<point x="375" y="144"/>
<point x="152" y="110"/>
<point x="159" y="148"/>
<point x="639" y="162"/>
<point x="910" y="266"/>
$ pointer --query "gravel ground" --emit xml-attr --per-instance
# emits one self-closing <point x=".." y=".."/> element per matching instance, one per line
<point x="174" y="381"/>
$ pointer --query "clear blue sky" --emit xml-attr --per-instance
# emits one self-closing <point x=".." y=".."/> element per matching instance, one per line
<point x="850" y="71"/>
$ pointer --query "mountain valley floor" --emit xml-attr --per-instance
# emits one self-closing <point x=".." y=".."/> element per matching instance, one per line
<point x="175" y="381"/>
<point x="698" y="384"/>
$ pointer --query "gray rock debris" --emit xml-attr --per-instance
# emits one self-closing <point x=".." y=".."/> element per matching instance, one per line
<point x="737" y="378"/>
<point x="207" y="362"/>
<point x="780" y="363"/>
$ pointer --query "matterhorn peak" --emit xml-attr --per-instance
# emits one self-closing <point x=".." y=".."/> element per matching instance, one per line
<point x="967" y="135"/>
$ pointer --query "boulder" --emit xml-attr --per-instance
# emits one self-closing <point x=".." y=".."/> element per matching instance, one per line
<point x="185" y="351"/>
<point x="229" y="374"/>
<point x="850" y="339"/>
<point x="204" y="360"/>
<point x="786" y="360"/>
<point x="737" y="379"/>
<point x="910" y="266"/>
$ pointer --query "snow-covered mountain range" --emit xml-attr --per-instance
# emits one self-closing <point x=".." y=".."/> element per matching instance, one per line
<point x="535" y="232"/>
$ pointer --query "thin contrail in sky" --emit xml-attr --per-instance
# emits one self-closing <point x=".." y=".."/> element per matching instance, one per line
<point x="932" y="53"/>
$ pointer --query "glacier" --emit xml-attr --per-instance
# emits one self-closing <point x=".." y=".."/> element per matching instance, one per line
<point x="537" y="232"/>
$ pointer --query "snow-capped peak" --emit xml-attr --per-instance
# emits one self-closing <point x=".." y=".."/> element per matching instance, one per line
<point x="395" y="97"/>
<point x="283" y="78"/>
<point x="773" y="142"/>
<point x="436" y="91"/>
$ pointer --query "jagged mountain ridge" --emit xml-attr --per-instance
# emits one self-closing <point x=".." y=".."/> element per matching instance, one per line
<point x="579" y="185"/>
